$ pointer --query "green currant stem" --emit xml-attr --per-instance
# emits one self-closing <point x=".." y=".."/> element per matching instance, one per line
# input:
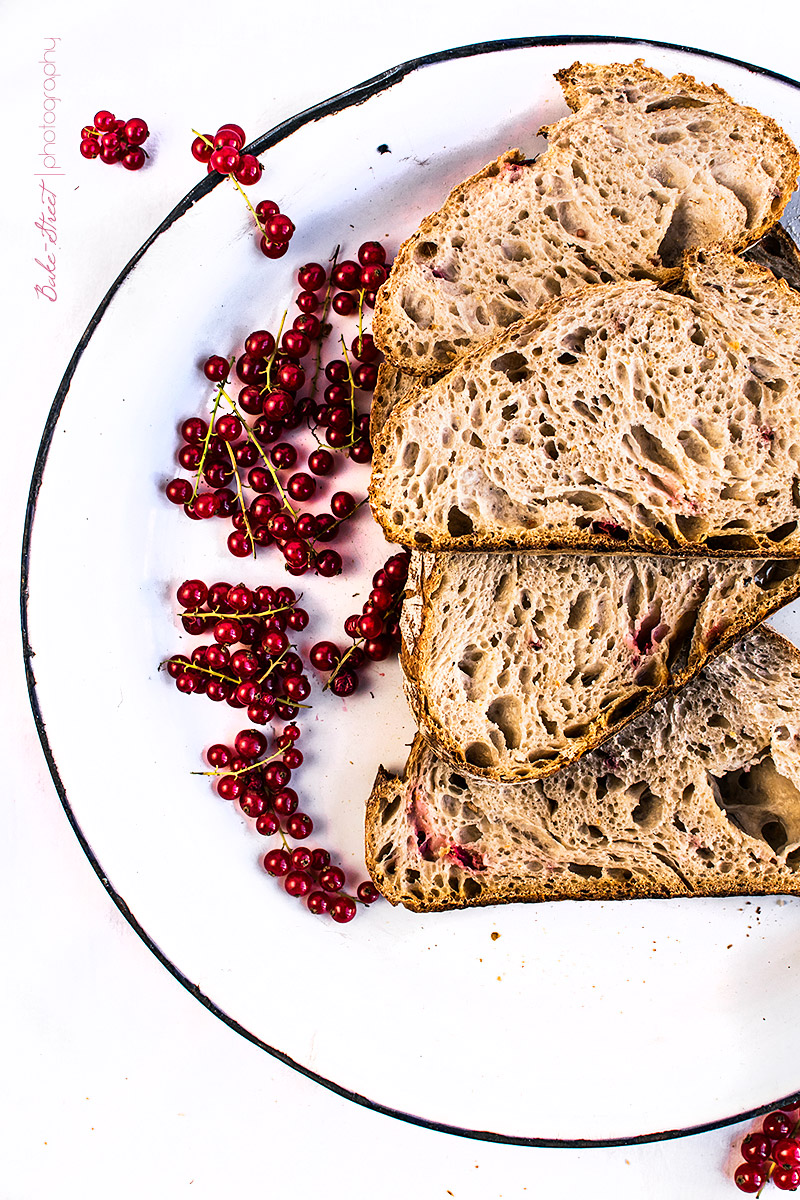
<point x="326" y="304"/>
<point x="240" y="496"/>
<point x="209" y="433"/>
<point x="210" y="671"/>
<point x="264" y="456"/>
<point x="338" y="520"/>
<point x="241" y="190"/>
<point x="360" y="320"/>
<point x="242" y="770"/>
<point x="203" y="138"/>
<point x="275" y="663"/>
<point x="231" y="616"/>
<point x="352" y="383"/>
<point x="270" y="361"/>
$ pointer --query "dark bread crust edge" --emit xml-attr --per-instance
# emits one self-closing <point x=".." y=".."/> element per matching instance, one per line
<point x="413" y="664"/>
<point x="388" y="786"/>
<point x="568" y="539"/>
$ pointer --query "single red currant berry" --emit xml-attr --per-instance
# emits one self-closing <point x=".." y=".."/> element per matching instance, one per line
<point x="252" y="803"/>
<point x="177" y="665"/>
<point x="371" y="252"/>
<point x="285" y="597"/>
<point x="192" y="593"/>
<point x="297" y="620"/>
<point x="786" y="1179"/>
<point x="215" y="368"/>
<point x="317" y="903"/>
<point x="346" y="275"/>
<point x="279" y="228"/>
<point x="311" y="277"/>
<point x="202" y="148"/>
<point x="308" y="324"/>
<point x="296" y="343"/>
<point x="189" y="457"/>
<point x="750" y="1177"/>
<point x="226" y="139"/>
<point x="342" y="909"/>
<point x="298" y="883"/>
<point x="293" y="758"/>
<point x="364" y="349"/>
<point x="301" y="858"/>
<point x="229" y="428"/>
<point x="377" y="649"/>
<point x="343" y="304"/>
<point x="239" y="544"/>
<point x="260" y="343"/>
<point x="342" y="504"/>
<point x="224" y="160"/>
<point x="367" y="893"/>
<point x="244" y="663"/>
<point x="301" y="486"/>
<point x="308" y="302"/>
<point x="344" y="683"/>
<point x="228" y="631"/>
<point x="285" y="801"/>
<point x="328" y="564"/>
<point x="111" y="154"/>
<point x="360" y="452"/>
<point x="320" y="859"/>
<point x="369" y="299"/>
<point x="777" y="1124"/>
<point x="248" y="171"/>
<point x="273" y="249"/>
<point x="277" y="862"/>
<point x="366" y="376"/>
<point x="786" y="1152"/>
<point x="291" y="376"/>
<point x="266" y="209"/>
<point x="373" y="276"/>
<point x="299" y="826"/>
<point x="324" y="656"/>
<point x="89" y="148"/>
<point x="331" y="879"/>
<point x="297" y="687"/>
<point x="250" y="744"/>
<point x="267" y="824"/>
<point x="230" y="127"/>
<point x="229" y="787"/>
<point x="136" y="131"/>
<point x="370" y="625"/>
<point x="103" y="120"/>
<point x="218" y="755"/>
<point x="321" y="462"/>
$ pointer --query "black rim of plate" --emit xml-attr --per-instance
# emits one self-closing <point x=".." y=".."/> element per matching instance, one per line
<point x="355" y="95"/>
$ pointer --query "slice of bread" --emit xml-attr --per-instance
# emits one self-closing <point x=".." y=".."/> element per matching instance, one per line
<point x="624" y="416"/>
<point x="515" y="665"/>
<point x="698" y="797"/>
<point x="646" y="167"/>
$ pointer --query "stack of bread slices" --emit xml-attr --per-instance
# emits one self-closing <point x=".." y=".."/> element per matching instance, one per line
<point x="587" y="430"/>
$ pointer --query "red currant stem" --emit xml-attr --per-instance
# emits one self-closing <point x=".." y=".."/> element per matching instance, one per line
<point x="326" y="304"/>
<point x="268" y="385"/>
<point x="264" y="455"/>
<point x="358" y="642"/>
<point x="276" y="662"/>
<point x="203" y="138"/>
<point x="338" y="520"/>
<point x="240" y="496"/>
<point x="230" y="616"/>
<point x="190" y="666"/>
<point x="770" y="1169"/>
<point x="262" y="762"/>
<point x="352" y="383"/>
<point x="241" y="190"/>
<point x="360" y="320"/>
<point x="207" y="439"/>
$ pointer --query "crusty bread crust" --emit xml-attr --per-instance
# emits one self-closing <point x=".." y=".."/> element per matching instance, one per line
<point x="487" y="843"/>
<point x="616" y="88"/>
<point x="734" y="615"/>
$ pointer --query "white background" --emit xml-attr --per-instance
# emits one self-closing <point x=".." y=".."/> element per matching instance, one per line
<point x="114" y="1080"/>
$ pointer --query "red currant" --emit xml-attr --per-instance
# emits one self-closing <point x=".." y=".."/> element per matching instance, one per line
<point x="750" y="1177"/>
<point x="317" y="903"/>
<point x="215" y="368"/>
<point x="136" y="131"/>
<point x="371" y="252"/>
<point x="277" y="862"/>
<point x="202" y="148"/>
<point x="342" y="909"/>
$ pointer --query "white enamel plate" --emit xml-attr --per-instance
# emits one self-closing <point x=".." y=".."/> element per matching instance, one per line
<point x="566" y="1023"/>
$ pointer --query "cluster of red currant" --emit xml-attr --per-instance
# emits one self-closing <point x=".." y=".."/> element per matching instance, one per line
<point x="251" y="664"/>
<point x="115" y="141"/>
<point x="264" y="675"/>
<point x="772" y="1152"/>
<point x="222" y="152"/>
<point x="375" y="632"/>
<point x="228" y="454"/>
